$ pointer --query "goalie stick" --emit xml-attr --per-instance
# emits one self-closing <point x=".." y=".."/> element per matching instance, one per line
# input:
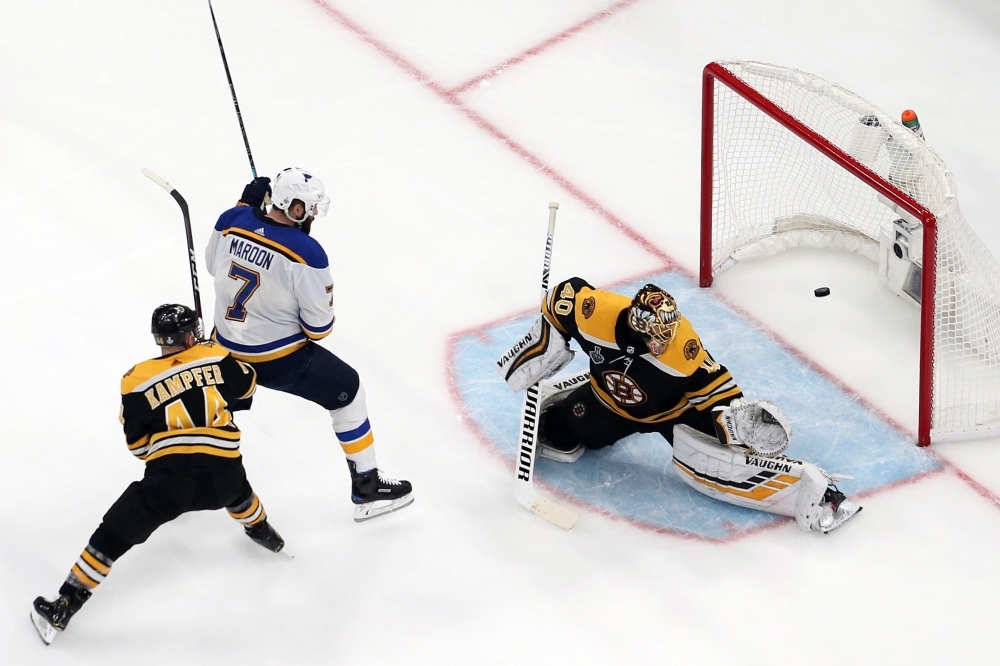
<point x="172" y="191"/>
<point x="524" y="464"/>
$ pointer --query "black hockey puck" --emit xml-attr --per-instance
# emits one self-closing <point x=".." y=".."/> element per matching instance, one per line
<point x="821" y="291"/>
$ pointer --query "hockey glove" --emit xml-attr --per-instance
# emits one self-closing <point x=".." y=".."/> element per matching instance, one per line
<point x="760" y="426"/>
<point x="257" y="192"/>
<point x="538" y="355"/>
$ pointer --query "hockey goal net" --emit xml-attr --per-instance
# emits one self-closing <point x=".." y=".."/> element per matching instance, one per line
<point x="789" y="159"/>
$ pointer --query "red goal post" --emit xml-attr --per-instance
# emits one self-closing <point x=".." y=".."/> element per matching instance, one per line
<point x="789" y="159"/>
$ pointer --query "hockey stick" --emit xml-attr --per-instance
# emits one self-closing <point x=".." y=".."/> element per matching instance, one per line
<point x="524" y="483"/>
<point x="172" y="191"/>
<point x="232" y="89"/>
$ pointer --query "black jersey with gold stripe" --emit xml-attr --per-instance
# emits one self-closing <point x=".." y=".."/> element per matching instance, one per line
<point x="182" y="403"/>
<point x="623" y="374"/>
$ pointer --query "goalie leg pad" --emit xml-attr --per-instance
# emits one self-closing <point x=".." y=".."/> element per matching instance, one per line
<point x="541" y="353"/>
<point x="551" y="394"/>
<point x="777" y="484"/>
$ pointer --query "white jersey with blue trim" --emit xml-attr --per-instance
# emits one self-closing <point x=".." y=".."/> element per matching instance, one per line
<point x="273" y="290"/>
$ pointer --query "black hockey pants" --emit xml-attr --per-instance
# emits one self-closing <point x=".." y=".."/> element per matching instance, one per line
<point x="584" y="419"/>
<point x="191" y="482"/>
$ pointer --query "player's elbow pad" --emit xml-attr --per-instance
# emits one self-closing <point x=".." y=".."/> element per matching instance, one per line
<point x="538" y="355"/>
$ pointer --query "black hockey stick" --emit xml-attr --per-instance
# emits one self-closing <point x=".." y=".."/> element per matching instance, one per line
<point x="172" y="191"/>
<point x="232" y="89"/>
<point x="527" y="452"/>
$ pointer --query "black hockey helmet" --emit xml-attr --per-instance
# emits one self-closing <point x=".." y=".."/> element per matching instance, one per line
<point x="171" y="322"/>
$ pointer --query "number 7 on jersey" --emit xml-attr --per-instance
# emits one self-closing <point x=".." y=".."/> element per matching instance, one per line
<point x="251" y="280"/>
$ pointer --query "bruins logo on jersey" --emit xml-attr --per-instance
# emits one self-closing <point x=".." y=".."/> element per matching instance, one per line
<point x="589" y="304"/>
<point x="691" y="349"/>
<point x="623" y="389"/>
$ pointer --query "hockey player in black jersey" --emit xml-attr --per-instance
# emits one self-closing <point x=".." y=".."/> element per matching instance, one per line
<point x="649" y="370"/>
<point x="650" y="373"/>
<point x="177" y="416"/>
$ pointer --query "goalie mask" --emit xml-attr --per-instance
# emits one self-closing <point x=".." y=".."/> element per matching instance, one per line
<point x="655" y="317"/>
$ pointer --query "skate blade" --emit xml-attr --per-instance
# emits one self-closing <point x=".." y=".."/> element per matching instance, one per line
<point x="845" y="512"/>
<point x="45" y="630"/>
<point x="369" y="510"/>
<point x="561" y="456"/>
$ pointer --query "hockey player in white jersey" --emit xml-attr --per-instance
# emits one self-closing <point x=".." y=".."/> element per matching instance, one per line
<point x="274" y="299"/>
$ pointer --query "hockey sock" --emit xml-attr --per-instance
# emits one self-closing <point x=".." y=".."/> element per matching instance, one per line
<point x="354" y="432"/>
<point x="90" y="570"/>
<point x="248" y="513"/>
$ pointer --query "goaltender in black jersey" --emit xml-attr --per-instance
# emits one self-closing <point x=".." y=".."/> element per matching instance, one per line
<point x="177" y="413"/>
<point x="655" y="386"/>
<point x="650" y="373"/>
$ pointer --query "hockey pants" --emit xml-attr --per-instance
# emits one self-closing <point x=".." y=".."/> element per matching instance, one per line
<point x="583" y="418"/>
<point x="313" y="373"/>
<point x="194" y="482"/>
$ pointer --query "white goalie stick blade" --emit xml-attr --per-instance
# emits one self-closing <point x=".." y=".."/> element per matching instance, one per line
<point x="524" y="465"/>
<point x="369" y="510"/>
<point x="556" y="514"/>
<point x="45" y="630"/>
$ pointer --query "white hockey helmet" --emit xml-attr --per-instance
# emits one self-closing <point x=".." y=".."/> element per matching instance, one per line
<point x="295" y="184"/>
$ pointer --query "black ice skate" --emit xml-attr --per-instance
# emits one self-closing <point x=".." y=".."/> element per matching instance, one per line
<point x="51" y="617"/>
<point x="374" y="495"/>
<point x="263" y="534"/>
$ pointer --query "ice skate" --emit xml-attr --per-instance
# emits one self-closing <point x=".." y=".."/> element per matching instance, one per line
<point x="836" y="510"/>
<point x="547" y="449"/>
<point x="51" y="617"/>
<point x="375" y="495"/>
<point x="263" y="534"/>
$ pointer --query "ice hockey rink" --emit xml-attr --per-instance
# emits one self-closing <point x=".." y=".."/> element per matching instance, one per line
<point x="442" y="129"/>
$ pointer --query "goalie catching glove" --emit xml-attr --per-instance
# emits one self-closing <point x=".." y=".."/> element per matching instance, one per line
<point x="760" y="426"/>
<point x="536" y="356"/>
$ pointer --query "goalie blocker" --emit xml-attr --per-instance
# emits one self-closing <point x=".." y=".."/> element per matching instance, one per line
<point x="537" y="355"/>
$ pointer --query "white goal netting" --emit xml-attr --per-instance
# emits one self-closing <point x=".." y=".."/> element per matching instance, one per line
<point x="773" y="189"/>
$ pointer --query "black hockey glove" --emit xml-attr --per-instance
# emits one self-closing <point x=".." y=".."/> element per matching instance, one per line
<point x="256" y="192"/>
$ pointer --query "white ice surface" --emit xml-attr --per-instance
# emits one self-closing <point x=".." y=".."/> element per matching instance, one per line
<point x="437" y="224"/>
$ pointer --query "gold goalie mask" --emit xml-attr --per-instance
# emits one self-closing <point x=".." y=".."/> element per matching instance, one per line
<point x="654" y="316"/>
